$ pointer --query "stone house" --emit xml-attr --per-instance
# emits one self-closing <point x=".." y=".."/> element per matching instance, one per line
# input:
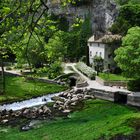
<point x="104" y="48"/>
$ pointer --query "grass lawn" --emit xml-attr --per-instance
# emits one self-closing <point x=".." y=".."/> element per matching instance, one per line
<point x="112" y="77"/>
<point x="17" y="88"/>
<point x="97" y="119"/>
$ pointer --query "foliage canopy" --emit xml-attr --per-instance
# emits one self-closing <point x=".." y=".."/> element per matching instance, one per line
<point x="128" y="55"/>
<point x="129" y="16"/>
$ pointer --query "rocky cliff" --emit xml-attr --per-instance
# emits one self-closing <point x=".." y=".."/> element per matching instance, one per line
<point x="102" y="13"/>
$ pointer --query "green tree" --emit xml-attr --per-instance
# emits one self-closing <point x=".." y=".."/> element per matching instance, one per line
<point x="55" y="69"/>
<point x="76" y="39"/>
<point x="128" y="55"/>
<point x="2" y="75"/>
<point x="98" y="63"/>
<point x="85" y="33"/>
<point x="55" y="48"/>
<point x="129" y="16"/>
<point x="123" y="2"/>
<point x="71" y="42"/>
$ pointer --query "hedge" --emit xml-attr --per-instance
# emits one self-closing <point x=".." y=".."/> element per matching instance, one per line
<point x="86" y="70"/>
<point x="134" y="85"/>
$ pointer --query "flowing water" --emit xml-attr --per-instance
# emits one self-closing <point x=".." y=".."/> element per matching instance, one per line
<point x="29" y="103"/>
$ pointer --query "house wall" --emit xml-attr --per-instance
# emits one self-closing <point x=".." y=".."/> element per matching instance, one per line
<point x="103" y="50"/>
<point x="107" y="60"/>
<point x="96" y="49"/>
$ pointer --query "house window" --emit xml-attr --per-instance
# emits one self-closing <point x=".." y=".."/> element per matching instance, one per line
<point x="109" y="56"/>
<point x="109" y="66"/>
<point x="96" y="53"/>
<point x="100" y="53"/>
<point x="98" y="44"/>
<point x="90" y="53"/>
<point x="90" y="44"/>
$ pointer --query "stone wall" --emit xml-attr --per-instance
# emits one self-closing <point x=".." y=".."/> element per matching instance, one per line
<point x="133" y="99"/>
<point x="33" y="78"/>
<point x="111" y="83"/>
<point x="101" y="94"/>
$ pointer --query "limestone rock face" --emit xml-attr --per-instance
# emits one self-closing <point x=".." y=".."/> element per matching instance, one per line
<point x="102" y="13"/>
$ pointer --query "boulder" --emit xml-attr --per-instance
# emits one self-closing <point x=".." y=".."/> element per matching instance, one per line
<point x="72" y="91"/>
<point x="10" y="111"/>
<point x="79" y="91"/>
<point x="61" y="94"/>
<point x="3" y="117"/>
<point x="61" y="108"/>
<point x="55" y="106"/>
<point x="89" y="97"/>
<point x="17" y="114"/>
<point x="4" y="121"/>
<point x="59" y="102"/>
<point x="3" y="112"/>
<point x="33" y="115"/>
<point x="6" y="116"/>
<point x="80" y="95"/>
<point x="74" y="99"/>
<point x="74" y="96"/>
<point x="46" y="110"/>
<point x="57" y="98"/>
<point x="44" y="100"/>
<point x="67" y="102"/>
<point x="66" y="111"/>
<point x="74" y="104"/>
<point x="26" y="112"/>
<point x="40" y="111"/>
<point x="64" y="94"/>
<point x="34" y="109"/>
<point x="25" y="128"/>
<point x="69" y="95"/>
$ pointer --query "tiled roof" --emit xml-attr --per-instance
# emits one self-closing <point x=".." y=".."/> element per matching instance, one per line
<point x="91" y="39"/>
<point x="106" y="39"/>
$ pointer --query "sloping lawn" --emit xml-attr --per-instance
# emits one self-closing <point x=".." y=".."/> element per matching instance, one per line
<point x="17" y="88"/>
<point x="97" y="119"/>
<point x="112" y="77"/>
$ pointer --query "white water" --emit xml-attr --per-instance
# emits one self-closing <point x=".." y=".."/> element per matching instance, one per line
<point x="29" y="103"/>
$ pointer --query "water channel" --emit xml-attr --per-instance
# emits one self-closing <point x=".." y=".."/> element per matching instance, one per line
<point x="29" y="103"/>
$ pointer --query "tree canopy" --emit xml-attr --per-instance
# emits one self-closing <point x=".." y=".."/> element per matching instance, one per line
<point x="129" y="16"/>
<point x="128" y="55"/>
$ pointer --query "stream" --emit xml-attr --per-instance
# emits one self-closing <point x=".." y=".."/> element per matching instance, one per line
<point x="29" y="103"/>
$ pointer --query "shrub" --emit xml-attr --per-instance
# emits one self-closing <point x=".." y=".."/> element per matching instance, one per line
<point x="134" y="85"/>
<point x="83" y="59"/>
<point x="98" y="63"/>
<point x="88" y="71"/>
<point x="80" y="2"/>
<point x="18" y="66"/>
<point x="54" y="70"/>
<point x="43" y="70"/>
<point x="8" y="68"/>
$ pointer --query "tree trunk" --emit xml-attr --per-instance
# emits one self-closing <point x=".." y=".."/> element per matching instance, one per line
<point x="87" y="55"/>
<point x="2" y="78"/>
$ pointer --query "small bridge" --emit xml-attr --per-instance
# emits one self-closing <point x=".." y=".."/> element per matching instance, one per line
<point x="114" y="94"/>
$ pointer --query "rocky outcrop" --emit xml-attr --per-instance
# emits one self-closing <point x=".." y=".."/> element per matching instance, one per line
<point x="29" y="113"/>
<point x="65" y="103"/>
<point x="102" y="13"/>
<point x="68" y="101"/>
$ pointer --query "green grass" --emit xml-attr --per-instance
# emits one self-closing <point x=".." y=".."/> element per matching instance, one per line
<point x="97" y="119"/>
<point x="17" y="88"/>
<point x="112" y="77"/>
<point x="28" y="74"/>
